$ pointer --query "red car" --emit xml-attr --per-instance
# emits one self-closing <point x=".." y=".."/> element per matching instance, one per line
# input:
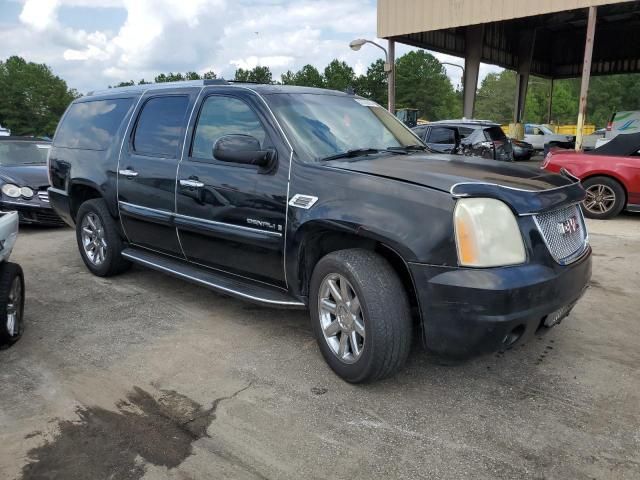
<point x="610" y="175"/>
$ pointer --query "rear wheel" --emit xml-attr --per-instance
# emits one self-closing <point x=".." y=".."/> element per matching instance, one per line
<point x="11" y="303"/>
<point x="605" y="197"/>
<point x="99" y="239"/>
<point x="360" y="314"/>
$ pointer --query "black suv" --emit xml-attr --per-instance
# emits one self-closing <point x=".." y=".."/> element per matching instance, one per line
<point x="308" y="198"/>
<point x="468" y="137"/>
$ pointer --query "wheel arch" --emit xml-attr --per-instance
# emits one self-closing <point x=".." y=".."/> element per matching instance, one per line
<point x="79" y="192"/>
<point x="315" y="239"/>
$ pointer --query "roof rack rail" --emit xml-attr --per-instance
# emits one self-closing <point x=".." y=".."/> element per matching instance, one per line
<point x="215" y="81"/>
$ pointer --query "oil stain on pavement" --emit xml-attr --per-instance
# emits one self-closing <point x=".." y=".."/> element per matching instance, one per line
<point x="107" y="444"/>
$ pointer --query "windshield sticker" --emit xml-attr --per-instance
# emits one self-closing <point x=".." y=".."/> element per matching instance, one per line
<point x="366" y="103"/>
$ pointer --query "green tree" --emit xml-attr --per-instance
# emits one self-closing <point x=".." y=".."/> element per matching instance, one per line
<point x="256" y="75"/>
<point x="339" y="76"/>
<point x="307" y="76"/>
<point x="422" y="83"/>
<point x="210" y="75"/>
<point x="374" y="84"/>
<point x="33" y="99"/>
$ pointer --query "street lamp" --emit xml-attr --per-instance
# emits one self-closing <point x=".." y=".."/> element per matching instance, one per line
<point x="388" y="68"/>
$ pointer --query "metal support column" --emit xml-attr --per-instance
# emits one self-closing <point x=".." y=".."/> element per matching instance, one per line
<point x="550" y="103"/>
<point x="586" y="74"/>
<point x="474" y="38"/>
<point x="391" y="80"/>
<point x="525" y="56"/>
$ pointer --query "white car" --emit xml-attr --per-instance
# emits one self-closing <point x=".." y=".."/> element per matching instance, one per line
<point x="4" y="132"/>
<point x="540" y="135"/>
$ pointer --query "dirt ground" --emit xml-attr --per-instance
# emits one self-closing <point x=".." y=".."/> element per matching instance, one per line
<point x="144" y="376"/>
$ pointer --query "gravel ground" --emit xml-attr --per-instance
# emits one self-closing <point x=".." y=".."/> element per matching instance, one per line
<point x="146" y="376"/>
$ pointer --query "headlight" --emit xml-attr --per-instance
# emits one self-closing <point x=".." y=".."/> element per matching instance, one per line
<point x="487" y="233"/>
<point x="26" y="192"/>
<point x="11" y="190"/>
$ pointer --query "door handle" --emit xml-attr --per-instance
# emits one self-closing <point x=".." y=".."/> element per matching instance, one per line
<point x="190" y="183"/>
<point x="128" y="173"/>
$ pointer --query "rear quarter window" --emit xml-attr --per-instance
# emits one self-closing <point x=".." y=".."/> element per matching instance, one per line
<point x="92" y="125"/>
<point x="494" y="133"/>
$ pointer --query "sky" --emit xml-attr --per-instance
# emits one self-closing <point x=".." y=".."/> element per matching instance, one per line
<point x="95" y="43"/>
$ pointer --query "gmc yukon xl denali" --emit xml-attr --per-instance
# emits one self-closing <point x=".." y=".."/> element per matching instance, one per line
<point x="307" y="198"/>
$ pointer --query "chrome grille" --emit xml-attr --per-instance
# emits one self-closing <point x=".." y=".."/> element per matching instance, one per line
<point x="565" y="246"/>
<point x="43" y="195"/>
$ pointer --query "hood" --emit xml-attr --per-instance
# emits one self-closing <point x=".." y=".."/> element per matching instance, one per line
<point x="526" y="189"/>
<point x="33" y="176"/>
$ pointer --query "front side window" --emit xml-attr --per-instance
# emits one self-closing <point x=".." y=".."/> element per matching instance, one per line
<point x="92" y="125"/>
<point x="444" y="136"/>
<point x="160" y="126"/>
<point x="23" y="153"/>
<point x="323" y="125"/>
<point x="219" y="116"/>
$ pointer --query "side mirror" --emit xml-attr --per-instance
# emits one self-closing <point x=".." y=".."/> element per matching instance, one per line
<point x="243" y="149"/>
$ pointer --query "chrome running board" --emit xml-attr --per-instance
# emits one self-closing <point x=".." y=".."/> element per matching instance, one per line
<point x="221" y="282"/>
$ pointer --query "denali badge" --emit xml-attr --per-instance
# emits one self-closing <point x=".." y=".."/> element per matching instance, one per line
<point x="569" y="226"/>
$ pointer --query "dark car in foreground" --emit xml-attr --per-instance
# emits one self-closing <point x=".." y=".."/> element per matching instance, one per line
<point x="308" y="198"/>
<point x="24" y="182"/>
<point x="610" y="174"/>
<point x="480" y="138"/>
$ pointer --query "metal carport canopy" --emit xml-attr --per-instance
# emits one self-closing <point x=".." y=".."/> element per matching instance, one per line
<point x="560" y="29"/>
<point x="548" y="38"/>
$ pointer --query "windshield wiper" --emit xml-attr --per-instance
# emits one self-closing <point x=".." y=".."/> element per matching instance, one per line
<point x="356" y="152"/>
<point x="408" y="148"/>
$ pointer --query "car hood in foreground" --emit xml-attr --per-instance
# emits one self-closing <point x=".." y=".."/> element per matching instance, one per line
<point x="526" y="189"/>
<point x="33" y="176"/>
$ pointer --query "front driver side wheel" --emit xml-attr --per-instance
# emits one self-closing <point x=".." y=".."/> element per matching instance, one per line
<point x="99" y="240"/>
<point x="360" y="314"/>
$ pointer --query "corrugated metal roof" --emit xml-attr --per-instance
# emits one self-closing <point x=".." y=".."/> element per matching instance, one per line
<point x="403" y="17"/>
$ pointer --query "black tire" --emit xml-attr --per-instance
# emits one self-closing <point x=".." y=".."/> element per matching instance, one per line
<point x="384" y="308"/>
<point x="113" y="262"/>
<point x="10" y="272"/>
<point x="611" y="187"/>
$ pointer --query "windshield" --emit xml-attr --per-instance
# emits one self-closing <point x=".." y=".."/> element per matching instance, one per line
<point x="23" y="153"/>
<point x="546" y="130"/>
<point x="322" y="126"/>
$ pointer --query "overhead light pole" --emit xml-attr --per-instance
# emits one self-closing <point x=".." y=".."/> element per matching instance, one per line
<point x="388" y="66"/>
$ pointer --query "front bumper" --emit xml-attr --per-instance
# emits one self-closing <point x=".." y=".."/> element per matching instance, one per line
<point x="32" y="212"/>
<point x="468" y="312"/>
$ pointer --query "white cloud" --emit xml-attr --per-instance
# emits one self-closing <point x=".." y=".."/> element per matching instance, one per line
<point x="198" y="35"/>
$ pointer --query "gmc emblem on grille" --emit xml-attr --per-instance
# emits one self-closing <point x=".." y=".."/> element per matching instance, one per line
<point x="569" y="226"/>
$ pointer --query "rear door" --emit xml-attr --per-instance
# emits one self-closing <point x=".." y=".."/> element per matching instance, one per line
<point x="147" y="169"/>
<point x="230" y="216"/>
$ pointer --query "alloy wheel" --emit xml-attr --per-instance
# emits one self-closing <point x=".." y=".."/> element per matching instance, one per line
<point x="600" y="199"/>
<point x="14" y="308"/>
<point x="93" y="239"/>
<point x="341" y="318"/>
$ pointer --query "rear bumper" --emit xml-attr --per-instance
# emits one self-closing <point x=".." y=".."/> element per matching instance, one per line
<point x="59" y="200"/>
<point x="468" y="312"/>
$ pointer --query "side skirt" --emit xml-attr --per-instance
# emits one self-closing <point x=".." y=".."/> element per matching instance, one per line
<point x="217" y="281"/>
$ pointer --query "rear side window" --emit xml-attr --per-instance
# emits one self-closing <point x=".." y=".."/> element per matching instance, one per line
<point x="465" y="132"/>
<point x="494" y="133"/>
<point x="160" y="125"/>
<point x="442" y="136"/>
<point x="92" y="125"/>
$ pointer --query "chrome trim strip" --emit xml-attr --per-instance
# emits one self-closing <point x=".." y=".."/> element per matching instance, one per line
<point x="230" y="225"/>
<point x="451" y="190"/>
<point x="203" y="220"/>
<point x="210" y="284"/>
